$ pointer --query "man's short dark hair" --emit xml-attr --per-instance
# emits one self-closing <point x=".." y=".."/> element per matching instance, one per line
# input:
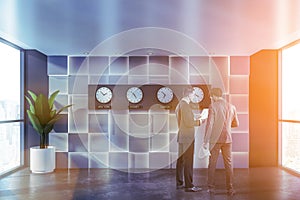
<point x="216" y="92"/>
<point x="188" y="90"/>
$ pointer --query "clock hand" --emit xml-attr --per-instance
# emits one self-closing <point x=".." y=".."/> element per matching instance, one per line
<point x="134" y="95"/>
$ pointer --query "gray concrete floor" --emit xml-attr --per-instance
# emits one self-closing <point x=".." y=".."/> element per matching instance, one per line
<point x="250" y="184"/>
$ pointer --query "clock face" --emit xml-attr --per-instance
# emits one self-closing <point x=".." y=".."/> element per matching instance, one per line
<point x="134" y="95"/>
<point x="164" y="95"/>
<point x="103" y="94"/>
<point x="198" y="95"/>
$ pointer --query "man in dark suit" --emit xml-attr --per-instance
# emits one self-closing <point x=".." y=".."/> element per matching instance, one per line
<point x="186" y="124"/>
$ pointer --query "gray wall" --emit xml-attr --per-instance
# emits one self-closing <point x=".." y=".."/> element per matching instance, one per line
<point x="36" y="80"/>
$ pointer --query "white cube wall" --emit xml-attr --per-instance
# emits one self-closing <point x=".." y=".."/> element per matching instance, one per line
<point x="139" y="139"/>
<point x="98" y="160"/>
<point x="58" y="83"/>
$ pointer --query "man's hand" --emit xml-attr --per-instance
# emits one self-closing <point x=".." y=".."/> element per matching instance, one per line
<point x="205" y="145"/>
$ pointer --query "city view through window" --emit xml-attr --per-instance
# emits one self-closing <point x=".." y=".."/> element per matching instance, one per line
<point x="11" y="121"/>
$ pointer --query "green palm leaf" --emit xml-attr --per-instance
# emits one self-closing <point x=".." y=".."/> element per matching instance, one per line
<point x="42" y="109"/>
<point x="52" y="98"/>
<point x="35" y="122"/>
<point x="63" y="108"/>
<point x="33" y="96"/>
<point x="31" y="106"/>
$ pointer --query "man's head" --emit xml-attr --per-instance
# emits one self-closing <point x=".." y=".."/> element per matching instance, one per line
<point x="216" y="93"/>
<point x="188" y="92"/>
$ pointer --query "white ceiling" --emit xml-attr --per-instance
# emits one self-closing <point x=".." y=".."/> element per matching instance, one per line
<point x="219" y="27"/>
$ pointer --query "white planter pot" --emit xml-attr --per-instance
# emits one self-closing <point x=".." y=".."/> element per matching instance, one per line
<point x="42" y="160"/>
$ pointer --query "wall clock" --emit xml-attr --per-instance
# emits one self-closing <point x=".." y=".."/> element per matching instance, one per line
<point x="134" y="95"/>
<point x="103" y="94"/>
<point x="198" y="95"/>
<point x="165" y="95"/>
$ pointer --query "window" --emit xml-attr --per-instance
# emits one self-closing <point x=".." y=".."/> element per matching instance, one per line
<point x="289" y="117"/>
<point x="11" y="106"/>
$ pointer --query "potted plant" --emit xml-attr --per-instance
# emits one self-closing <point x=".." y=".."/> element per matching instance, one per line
<point x="43" y="115"/>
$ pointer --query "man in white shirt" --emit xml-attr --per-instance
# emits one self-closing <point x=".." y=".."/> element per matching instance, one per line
<point x="221" y="117"/>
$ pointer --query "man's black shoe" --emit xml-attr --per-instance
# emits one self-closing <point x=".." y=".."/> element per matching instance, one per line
<point x="230" y="192"/>
<point x="211" y="191"/>
<point x="178" y="187"/>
